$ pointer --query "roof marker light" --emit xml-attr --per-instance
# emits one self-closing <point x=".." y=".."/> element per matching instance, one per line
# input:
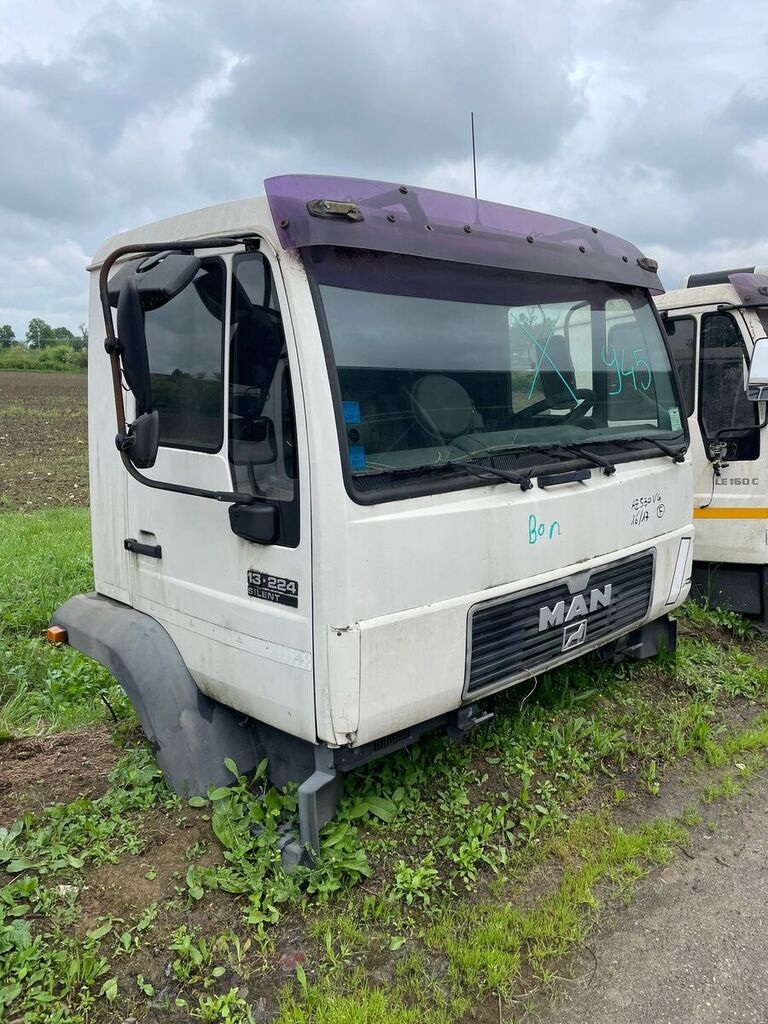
<point x="334" y="208"/>
<point x="646" y="263"/>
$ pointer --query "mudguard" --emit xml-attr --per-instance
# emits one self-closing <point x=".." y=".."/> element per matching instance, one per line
<point x="191" y="734"/>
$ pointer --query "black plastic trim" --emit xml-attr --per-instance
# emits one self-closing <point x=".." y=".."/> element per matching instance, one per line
<point x="571" y="477"/>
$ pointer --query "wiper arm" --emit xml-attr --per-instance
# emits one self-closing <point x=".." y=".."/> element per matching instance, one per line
<point x="576" y="449"/>
<point x="597" y="460"/>
<point x="522" y="479"/>
<point x="677" y="454"/>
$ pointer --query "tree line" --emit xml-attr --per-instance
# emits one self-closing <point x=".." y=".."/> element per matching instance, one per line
<point x="40" y="335"/>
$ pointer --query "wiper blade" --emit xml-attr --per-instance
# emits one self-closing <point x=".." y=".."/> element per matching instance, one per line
<point x="677" y="454"/>
<point x="522" y="479"/>
<point x="576" y="449"/>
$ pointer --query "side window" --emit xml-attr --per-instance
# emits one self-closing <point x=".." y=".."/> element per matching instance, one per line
<point x="185" y="344"/>
<point x="724" y="411"/>
<point x="262" y="429"/>
<point x="681" y="332"/>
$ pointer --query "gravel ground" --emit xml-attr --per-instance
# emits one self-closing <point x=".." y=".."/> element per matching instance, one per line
<point x="693" y="945"/>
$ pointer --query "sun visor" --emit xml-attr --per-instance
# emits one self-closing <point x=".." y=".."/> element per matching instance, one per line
<point x="312" y="210"/>
<point x="752" y="289"/>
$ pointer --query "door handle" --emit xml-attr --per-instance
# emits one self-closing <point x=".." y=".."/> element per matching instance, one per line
<point x="151" y="550"/>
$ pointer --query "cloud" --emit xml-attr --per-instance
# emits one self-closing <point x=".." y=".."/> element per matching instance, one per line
<point x="47" y="282"/>
<point x="621" y="113"/>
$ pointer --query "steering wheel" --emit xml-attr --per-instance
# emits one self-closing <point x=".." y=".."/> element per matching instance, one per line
<point x="585" y="399"/>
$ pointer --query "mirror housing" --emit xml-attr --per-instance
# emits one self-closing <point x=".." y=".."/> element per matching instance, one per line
<point x="757" y="383"/>
<point x="143" y="440"/>
<point x="147" y="284"/>
<point x="257" y="523"/>
<point x="133" y="344"/>
<point x="255" y="443"/>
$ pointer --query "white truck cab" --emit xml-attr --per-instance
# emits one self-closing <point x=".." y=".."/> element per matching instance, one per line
<point x="381" y="452"/>
<point x="715" y="323"/>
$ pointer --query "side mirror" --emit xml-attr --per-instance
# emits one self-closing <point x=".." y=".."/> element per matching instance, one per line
<point x="144" y="440"/>
<point x="148" y="284"/>
<point x="757" y="384"/>
<point x="254" y="442"/>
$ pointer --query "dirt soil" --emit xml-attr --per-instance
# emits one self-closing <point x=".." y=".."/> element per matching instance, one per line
<point x="43" y="440"/>
<point x="42" y="770"/>
<point x="693" y="946"/>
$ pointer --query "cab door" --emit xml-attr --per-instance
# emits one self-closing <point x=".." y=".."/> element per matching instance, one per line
<point x="711" y="349"/>
<point x="223" y="366"/>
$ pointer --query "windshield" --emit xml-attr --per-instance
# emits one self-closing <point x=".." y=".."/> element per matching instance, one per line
<point x="439" y="362"/>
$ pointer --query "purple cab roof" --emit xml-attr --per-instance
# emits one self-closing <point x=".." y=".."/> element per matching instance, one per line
<point x="422" y="222"/>
<point x="752" y="289"/>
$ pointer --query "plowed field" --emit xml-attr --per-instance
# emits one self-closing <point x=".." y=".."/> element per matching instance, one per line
<point x="43" y="440"/>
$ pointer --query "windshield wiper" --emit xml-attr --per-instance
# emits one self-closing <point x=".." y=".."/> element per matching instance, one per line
<point x="576" y="449"/>
<point x="522" y="479"/>
<point x="677" y="454"/>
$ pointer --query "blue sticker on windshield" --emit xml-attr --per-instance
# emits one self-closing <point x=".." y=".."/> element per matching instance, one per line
<point x="351" y="412"/>
<point x="357" y="456"/>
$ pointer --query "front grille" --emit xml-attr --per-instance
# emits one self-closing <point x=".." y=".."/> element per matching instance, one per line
<point x="506" y="643"/>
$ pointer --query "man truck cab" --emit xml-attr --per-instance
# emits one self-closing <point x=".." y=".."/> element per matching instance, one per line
<point x="715" y="323"/>
<point x="381" y="452"/>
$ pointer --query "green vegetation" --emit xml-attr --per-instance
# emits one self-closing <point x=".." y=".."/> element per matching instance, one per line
<point x="44" y="558"/>
<point x="452" y="875"/>
<point x="54" y="358"/>
<point x="43" y="348"/>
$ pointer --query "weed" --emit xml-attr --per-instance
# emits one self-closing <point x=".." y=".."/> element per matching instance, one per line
<point x="231" y="1007"/>
<point x="416" y="883"/>
<point x="247" y="823"/>
<point x="87" y="831"/>
<point x="702" y="614"/>
<point x="650" y="778"/>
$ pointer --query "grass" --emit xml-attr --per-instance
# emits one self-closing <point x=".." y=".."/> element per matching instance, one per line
<point x="44" y="559"/>
<point x="452" y="875"/>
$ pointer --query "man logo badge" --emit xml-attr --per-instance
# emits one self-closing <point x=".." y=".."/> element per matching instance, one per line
<point x="580" y="605"/>
<point x="573" y="618"/>
<point x="574" y="635"/>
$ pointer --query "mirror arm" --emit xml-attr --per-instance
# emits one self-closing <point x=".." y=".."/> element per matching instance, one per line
<point x="198" y="492"/>
<point x="113" y="348"/>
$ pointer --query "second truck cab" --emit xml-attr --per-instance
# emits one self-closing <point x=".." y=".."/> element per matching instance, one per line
<point x="715" y="323"/>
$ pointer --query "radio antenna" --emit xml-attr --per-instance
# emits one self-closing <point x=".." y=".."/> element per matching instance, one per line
<point x="474" y="153"/>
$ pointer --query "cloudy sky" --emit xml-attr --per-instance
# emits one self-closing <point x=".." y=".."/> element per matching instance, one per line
<point x="648" y="118"/>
